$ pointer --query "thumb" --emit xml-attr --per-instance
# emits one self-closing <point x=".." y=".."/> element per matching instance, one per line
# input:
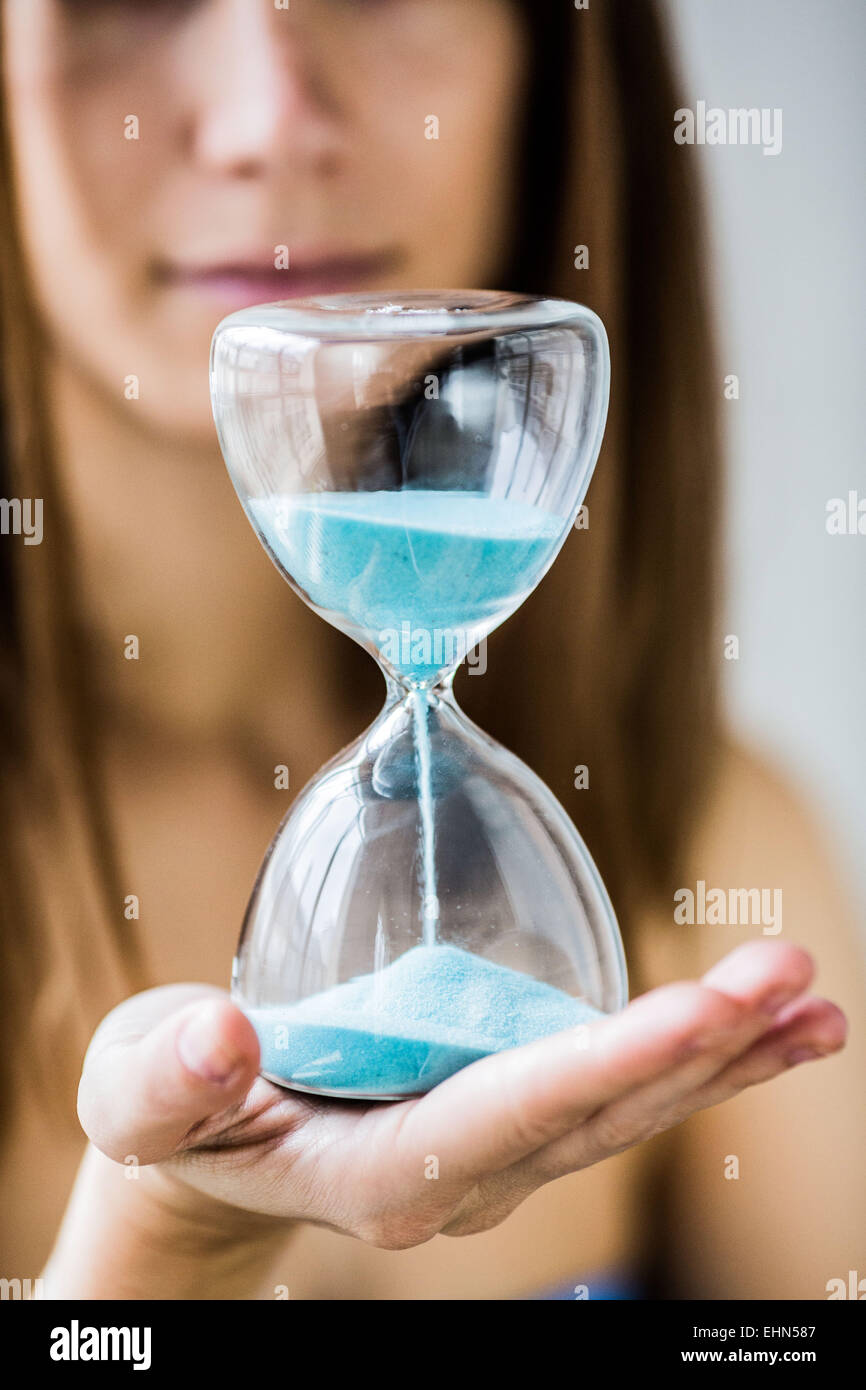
<point x="154" y="1071"/>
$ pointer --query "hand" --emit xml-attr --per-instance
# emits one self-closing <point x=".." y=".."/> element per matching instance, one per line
<point x="171" y="1077"/>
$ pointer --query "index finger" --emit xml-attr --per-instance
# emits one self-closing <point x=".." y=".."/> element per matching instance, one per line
<point x="503" y="1108"/>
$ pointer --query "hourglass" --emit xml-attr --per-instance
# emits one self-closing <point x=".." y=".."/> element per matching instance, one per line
<point x="412" y="465"/>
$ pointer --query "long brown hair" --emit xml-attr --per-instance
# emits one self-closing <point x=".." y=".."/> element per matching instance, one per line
<point x="611" y="664"/>
<point x="64" y="941"/>
<point x="608" y="666"/>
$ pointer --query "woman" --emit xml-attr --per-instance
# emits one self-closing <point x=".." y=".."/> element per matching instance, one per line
<point x="157" y="160"/>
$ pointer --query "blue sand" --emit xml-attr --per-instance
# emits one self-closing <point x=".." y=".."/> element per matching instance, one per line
<point x="406" y="1028"/>
<point x="438" y="562"/>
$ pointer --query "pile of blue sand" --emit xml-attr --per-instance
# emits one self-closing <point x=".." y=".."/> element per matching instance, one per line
<point x="404" y="1029"/>
<point x="442" y="562"/>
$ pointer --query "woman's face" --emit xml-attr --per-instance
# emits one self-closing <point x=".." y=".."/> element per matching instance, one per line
<point x="173" y="155"/>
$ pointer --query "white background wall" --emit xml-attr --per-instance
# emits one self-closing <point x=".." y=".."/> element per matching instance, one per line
<point x="790" y="249"/>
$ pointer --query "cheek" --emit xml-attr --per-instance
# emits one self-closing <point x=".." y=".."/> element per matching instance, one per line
<point x="80" y="178"/>
<point x="84" y="203"/>
<point x="440" y="147"/>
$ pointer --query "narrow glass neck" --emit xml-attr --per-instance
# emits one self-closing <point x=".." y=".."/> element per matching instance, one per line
<point x="399" y="689"/>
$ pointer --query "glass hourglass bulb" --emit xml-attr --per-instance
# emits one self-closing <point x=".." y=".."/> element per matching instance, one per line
<point x="412" y="465"/>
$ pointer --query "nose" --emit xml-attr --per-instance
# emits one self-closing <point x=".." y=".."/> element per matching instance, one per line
<point x="260" y="97"/>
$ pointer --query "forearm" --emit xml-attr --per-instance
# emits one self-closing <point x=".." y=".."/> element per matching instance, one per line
<point x="132" y="1234"/>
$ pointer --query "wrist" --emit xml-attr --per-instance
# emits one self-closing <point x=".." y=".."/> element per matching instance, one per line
<point x="142" y="1233"/>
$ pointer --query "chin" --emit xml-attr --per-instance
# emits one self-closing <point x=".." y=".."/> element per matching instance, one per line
<point x="175" y="404"/>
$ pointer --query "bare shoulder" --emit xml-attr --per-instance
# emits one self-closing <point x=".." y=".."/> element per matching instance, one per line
<point x="762" y="862"/>
<point x="754" y="809"/>
<point x="795" y="1141"/>
<point x="770" y="857"/>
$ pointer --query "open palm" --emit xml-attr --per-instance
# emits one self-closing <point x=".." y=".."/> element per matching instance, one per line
<point x="171" y="1080"/>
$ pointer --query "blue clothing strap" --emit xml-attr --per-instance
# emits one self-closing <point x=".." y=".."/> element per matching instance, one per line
<point x="608" y="1286"/>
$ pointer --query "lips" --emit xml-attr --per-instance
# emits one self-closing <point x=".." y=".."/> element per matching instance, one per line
<point x="241" y="282"/>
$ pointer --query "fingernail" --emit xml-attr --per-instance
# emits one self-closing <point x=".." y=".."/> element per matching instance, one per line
<point x="803" y="1054"/>
<point x="775" y="1002"/>
<point x="701" y="1042"/>
<point x="202" y="1049"/>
